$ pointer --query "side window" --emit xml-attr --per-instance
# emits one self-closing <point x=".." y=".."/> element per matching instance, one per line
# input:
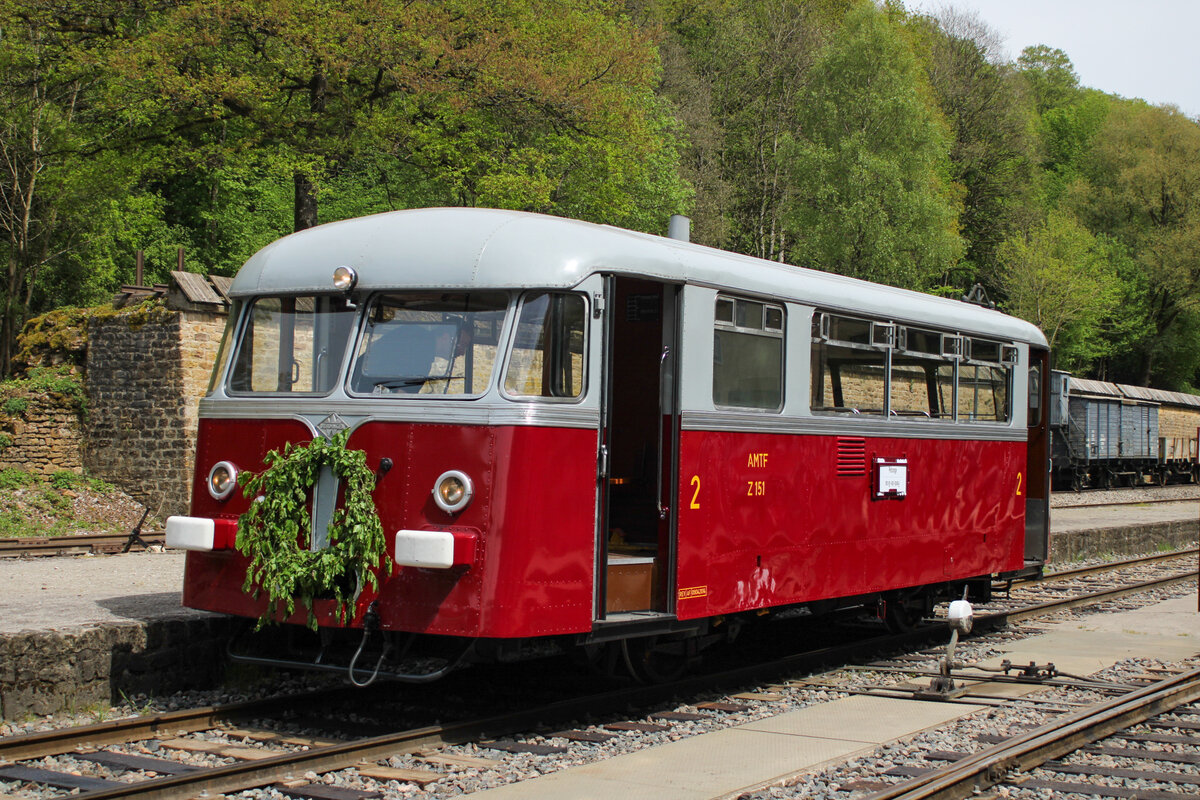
<point x="748" y="354"/>
<point x="547" y="353"/>
<point x="849" y="365"/>
<point x="985" y="382"/>
<point x="922" y="378"/>
<point x="291" y="345"/>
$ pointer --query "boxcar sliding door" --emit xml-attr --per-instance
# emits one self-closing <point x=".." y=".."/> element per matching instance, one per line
<point x="639" y="449"/>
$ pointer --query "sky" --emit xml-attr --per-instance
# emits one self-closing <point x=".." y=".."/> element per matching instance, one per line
<point x="1145" y="49"/>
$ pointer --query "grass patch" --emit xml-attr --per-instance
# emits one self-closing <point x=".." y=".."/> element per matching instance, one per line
<point x="13" y="478"/>
<point x="61" y="504"/>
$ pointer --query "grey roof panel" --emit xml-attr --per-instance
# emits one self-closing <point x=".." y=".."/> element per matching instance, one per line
<point x="473" y="248"/>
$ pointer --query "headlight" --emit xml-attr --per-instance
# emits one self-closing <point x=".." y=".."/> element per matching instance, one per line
<point x="344" y="279"/>
<point x="452" y="491"/>
<point x="222" y="480"/>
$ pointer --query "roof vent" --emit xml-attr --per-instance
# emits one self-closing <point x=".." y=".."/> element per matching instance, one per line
<point x="680" y="228"/>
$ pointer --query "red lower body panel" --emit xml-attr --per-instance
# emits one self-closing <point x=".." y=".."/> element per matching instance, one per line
<point x="763" y="520"/>
<point x="768" y="520"/>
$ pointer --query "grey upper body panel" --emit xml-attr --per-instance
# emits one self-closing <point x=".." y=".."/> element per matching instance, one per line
<point x="471" y="248"/>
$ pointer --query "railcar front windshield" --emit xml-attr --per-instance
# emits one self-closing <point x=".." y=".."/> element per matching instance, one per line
<point x="433" y="343"/>
<point x="291" y="345"/>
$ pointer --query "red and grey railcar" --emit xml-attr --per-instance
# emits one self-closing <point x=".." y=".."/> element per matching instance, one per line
<point x="607" y="439"/>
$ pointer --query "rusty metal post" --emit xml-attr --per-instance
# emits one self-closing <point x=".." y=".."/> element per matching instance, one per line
<point x="141" y="262"/>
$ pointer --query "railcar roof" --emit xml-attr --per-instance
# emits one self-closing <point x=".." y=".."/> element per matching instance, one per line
<point x="472" y="248"/>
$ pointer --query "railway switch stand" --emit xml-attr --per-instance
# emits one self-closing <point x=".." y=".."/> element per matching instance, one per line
<point x="942" y="687"/>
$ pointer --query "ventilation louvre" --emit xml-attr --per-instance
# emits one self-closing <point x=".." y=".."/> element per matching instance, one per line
<point x="851" y="456"/>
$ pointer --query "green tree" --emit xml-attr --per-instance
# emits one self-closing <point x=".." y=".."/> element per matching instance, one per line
<point x="1050" y="75"/>
<point x="517" y="104"/>
<point x="1059" y="277"/>
<point x="1143" y="187"/>
<point x="992" y="153"/>
<point x="55" y="178"/>
<point x="870" y="172"/>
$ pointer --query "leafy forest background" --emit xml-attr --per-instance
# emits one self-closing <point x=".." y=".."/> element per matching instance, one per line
<point x="840" y="135"/>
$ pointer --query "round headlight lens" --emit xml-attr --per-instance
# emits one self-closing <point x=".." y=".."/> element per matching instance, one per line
<point x="452" y="491"/>
<point x="222" y="480"/>
<point x="344" y="278"/>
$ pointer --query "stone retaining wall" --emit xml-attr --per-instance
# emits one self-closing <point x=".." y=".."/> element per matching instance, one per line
<point x="1068" y="546"/>
<point x="45" y="672"/>
<point x="46" y="437"/>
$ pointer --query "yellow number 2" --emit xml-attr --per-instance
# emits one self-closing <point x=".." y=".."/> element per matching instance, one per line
<point x="696" y="495"/>
<point x="1020" y="478"/>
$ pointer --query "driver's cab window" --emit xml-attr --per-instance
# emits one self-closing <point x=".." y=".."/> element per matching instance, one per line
<point x="429" y="344"/>
<point x="548" y="347"/>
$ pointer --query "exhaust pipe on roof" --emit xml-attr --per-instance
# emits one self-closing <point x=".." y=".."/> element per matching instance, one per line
<point x="679" y="228"/>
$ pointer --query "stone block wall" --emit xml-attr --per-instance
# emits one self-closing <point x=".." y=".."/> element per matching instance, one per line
<point x="45" y="437"/>
<point x="146" y="372"/>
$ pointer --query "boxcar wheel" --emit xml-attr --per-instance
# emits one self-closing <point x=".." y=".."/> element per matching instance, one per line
<point x="1160" y="477"/>
<point x="1076" y="481"/>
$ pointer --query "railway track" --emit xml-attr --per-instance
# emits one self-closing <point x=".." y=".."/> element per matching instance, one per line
<point x="94" y="543"/>
<point x="1153" y="728"/>
<point x="228" y="749"/>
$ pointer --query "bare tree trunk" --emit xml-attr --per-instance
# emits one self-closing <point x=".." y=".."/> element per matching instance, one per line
<point x="305" y="203"/>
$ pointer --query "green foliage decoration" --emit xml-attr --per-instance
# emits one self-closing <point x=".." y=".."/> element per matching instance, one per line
<point x="272" y="530"/>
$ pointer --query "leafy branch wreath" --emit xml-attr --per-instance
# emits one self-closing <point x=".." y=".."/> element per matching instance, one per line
<point x="275" y="529"/>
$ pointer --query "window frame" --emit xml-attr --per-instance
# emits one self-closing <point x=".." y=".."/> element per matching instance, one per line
<point x="514" y="323"/>
<point x="763" y="331"/>
<point x="891" y="339"/>
<point x="244" y="322"/>
<point x="368" y="305"/>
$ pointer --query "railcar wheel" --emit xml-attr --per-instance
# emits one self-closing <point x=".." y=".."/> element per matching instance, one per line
<point x="653" y="659"/>
<point x="600" y="659"/>
<point x="901" y="614"/>
<point x="1160" y="477"/>
<point x="1076" y="481"/>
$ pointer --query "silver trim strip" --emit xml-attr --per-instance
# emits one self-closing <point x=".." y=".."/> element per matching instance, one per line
<point x="844" y="426"/>
<point x="524" y="414"/>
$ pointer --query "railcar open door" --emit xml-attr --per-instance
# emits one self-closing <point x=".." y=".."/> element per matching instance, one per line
<point x="1037" y="463"/>
<point x="639" y="443"/>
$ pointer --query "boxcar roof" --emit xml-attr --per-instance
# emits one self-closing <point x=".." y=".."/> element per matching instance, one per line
<point x="471" y="248"/>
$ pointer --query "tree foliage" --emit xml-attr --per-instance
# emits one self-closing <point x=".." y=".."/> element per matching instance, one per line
<point x="1060" y="278"/>
<point x="1142" y="185"/>
<point x="847" y="135"/>
<point x="870" y="175"/>
<point x="512" y="104"/>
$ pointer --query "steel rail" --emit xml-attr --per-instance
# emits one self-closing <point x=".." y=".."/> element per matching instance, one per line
<point x="1065" y="735"/>
<point x="1111" y="566"/>
<point x="1100" y="596"/>
<point x="61" y="545"/>
<point x="120" y="731"/>
<point x="1123" y="501"/>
